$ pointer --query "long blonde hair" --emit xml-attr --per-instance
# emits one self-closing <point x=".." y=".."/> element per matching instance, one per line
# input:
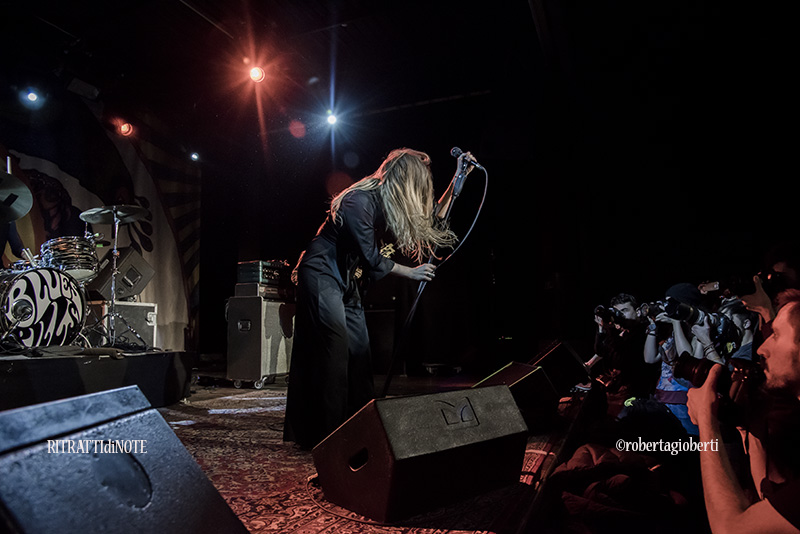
<point x="405" y="185"/>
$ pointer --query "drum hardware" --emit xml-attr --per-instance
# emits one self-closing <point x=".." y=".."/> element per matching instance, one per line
<point x="99" y="242"/>
<point x="16" y="199"/>
<point x="9" y="332"/>
<point x="115" y="215"/>
<point x="21" y="310"/>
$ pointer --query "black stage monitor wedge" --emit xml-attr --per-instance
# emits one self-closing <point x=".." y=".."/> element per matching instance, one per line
<point x="534" y="393"/>
<point x="563" y="366"/>
<point x="401" y="456"/>
<point x="103" y="462"/>
<point x="134" y="273"/>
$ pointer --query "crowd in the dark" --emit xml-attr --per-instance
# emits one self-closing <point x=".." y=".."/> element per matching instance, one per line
<point x="711" y="362"/>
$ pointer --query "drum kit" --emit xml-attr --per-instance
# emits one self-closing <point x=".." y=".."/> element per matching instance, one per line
<point x="43" y="299"/>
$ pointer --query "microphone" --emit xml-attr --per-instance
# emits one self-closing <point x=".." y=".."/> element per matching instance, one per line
<point x="456" y="152"/>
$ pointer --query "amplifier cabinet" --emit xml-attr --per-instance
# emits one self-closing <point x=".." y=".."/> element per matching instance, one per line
<point x="141" y="317"/>
<point x="260" y="335"/>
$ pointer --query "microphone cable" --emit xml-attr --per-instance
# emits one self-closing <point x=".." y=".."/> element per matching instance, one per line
<point x="423" y="284"/>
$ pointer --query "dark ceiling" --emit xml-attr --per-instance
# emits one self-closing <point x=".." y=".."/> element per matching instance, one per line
<point x="598" y="121"/>
<point x="185" y="58"/>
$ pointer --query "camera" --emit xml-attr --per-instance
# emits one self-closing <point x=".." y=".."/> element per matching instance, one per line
<point x="724" y="333"/>
<point x="650" y="309"/>
<point x="740" y="285"/>
<point x="609" y="314"/>
<point x="738" y="384"/>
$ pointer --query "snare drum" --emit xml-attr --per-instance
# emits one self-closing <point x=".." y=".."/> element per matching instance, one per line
<point x="77" y="256"/>
<point x="41" y="307"/>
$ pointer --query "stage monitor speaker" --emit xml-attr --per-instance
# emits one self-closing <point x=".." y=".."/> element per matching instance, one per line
<point x="534" y="393"/>
<point x="563" y="366"/>
<point x="103" y="462"/>
<point x="401" y="456"/>
<point x="134" y="274"/>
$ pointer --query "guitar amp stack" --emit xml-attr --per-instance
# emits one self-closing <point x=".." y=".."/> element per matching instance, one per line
<point x="260" y="319"/>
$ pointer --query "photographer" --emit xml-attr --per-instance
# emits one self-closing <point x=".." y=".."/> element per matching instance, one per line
<point x="618" y="342"/>
<point x="774" y="470"/>
<point x="671" y="390"/>
<point x="747" y="323"/>
<point x="783" y="272"/>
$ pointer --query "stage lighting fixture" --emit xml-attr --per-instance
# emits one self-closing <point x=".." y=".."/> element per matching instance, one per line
<point x="125" y="129"/>
<point x="31" y="98"/>
<point x="331" y="117"/>
<point x="257" y="74"/>
<point x="195" y="156"/>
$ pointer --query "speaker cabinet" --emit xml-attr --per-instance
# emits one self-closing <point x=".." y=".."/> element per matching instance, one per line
<point x="534" y="393"/>
<point x="397" y="457"/>
<point x="139" y="317"/>
<point x="260" y="335"/>
<point x="134" y="273"/>
<point x="104" y="462"/>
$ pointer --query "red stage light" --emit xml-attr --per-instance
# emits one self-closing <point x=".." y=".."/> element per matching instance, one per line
<point x="297" y="129"/>
<point x="257" y="74"/>
<point x="125" y="129"/>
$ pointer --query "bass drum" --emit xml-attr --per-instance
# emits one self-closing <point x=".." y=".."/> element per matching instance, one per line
<point x="41" y="307"/>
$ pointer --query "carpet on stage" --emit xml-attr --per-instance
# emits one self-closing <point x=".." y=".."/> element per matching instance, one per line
<point x="235" y="435"/>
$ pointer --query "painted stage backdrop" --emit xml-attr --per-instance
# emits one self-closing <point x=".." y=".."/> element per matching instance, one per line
<point x="72" y="159"/>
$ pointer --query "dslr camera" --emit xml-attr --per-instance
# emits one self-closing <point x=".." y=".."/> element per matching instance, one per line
<point x="738" y="384"/>
<point x="740" y="285"/>
<point x="609" y="315"/>
<point x="723" y="330"/>
<point x="650" y="309"/>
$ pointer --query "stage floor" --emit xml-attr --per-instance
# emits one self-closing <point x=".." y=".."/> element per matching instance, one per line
<point x="235" y="434"/>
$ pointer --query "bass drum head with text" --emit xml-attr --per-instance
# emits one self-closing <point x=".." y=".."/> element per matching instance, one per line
<point x="41" y="307"/>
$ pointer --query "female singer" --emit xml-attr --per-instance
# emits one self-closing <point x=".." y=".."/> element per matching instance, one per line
<point x="330" y="376"/>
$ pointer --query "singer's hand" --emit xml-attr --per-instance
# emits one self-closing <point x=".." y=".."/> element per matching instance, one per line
<point x="466" y="158"/>
<point x="424" y="272"/>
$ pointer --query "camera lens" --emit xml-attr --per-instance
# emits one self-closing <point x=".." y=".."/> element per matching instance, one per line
<point x="683" y="312"/>
<point x="690" y="368"/>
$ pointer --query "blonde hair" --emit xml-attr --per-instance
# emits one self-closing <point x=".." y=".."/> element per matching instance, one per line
<point x="405" y="185"/>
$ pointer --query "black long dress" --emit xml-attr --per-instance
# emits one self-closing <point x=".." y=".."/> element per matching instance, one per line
<point x="330" y="377"/>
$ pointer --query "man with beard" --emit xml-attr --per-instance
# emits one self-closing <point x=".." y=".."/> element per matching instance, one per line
<point x="772" y="451"/>
<point x="619" y="341"/>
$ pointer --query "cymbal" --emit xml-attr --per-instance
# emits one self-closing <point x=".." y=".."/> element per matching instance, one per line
<point x="109" y="214"/>
<point x="16" y="199"/>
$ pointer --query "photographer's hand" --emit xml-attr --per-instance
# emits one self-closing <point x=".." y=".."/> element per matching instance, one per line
<point x="729" y="508"/>
<point x="703" y="401"/>
<point x="651" y="352"/>
<point x="759" y="301"/>
<point x="600" y="323"/>
<point x="703" y="335"/>
<point x="703" y="332"/>
<point x="664" y="318"/>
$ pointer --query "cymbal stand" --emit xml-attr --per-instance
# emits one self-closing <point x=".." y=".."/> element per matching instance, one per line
<point x="112" y="314"/>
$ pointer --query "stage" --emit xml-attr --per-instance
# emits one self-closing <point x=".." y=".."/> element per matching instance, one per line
<point x="236" y="437"/>
<point x="233" y="436"/>
<point x="62" y="372"/>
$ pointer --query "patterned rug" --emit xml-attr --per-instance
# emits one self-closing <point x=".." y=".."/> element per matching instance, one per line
<point x="235" y="435"/>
